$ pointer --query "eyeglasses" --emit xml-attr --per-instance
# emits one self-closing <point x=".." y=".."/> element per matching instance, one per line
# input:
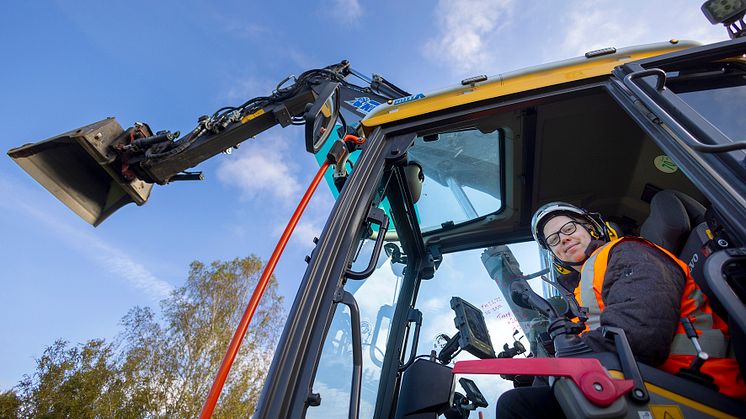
<point x="567" y="229"/>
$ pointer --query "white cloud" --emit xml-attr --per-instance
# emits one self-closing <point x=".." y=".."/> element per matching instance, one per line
<point x="305" y="231"/>
<point x="465" y="26"/>
<point x="314" y="217"/>
<point x="346" y="10"/>
<point x="261" y="169"/>
<point x="600" y="24"/>
<point x="244" y="88"/>
<point x="122" y="265"/>
<point x="434" y="304"/>
<point x="109" y="257"/>
<point x="245" y="30"/>
<point x="596" y="27"/>
<point x="299" y="58"/>
<point x="690" y="23"/>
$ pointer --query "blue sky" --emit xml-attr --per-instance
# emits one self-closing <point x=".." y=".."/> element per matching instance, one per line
<point x="69" y="63"/>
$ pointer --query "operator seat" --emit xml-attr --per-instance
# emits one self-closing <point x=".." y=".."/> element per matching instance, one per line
<point x="677" y="223"/>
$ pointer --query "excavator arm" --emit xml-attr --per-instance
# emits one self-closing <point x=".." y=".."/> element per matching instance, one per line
<point x="98" y="168"/>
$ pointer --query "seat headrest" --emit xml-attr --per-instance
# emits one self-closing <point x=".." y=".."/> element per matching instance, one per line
<point x="672" y="216"/>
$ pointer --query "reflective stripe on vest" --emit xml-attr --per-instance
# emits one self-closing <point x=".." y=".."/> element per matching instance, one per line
<point x="588" y="297"/>
<point x="693" y="303"/>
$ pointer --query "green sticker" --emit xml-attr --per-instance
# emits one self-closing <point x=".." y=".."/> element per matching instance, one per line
<point x="665" y="164"/>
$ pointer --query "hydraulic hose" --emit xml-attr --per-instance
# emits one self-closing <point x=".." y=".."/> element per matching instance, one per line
<point x="230" y="355"/>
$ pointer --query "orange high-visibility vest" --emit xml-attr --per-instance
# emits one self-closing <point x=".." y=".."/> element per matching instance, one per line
<point x="712" y="330"/>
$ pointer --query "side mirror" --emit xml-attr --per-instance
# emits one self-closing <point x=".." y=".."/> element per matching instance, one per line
<point x="321" y="116"/>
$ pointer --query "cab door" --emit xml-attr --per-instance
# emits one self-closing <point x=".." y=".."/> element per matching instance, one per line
<point x="287" y="388"/>
<point x="692" y="103"/>
<point x="319" y="368"/>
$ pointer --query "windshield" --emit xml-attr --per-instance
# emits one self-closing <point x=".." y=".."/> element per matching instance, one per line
<point x="462" y="176"/>
<point x="478" y="276"/>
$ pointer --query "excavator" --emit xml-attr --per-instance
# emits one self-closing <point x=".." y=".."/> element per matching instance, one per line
<point x="431" y="224"/>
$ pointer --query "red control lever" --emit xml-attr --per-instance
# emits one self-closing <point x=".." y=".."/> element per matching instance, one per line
<point x="587" y="373"/>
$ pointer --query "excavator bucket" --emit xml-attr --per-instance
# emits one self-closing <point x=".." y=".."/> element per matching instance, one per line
<point x="77" y="167"/>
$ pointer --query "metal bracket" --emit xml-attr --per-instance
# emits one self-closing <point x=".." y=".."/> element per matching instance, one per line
<point x="432" y="263"/>
<point x="313" y="400"/>
<point x="414" y="316"/>
<point x="398" y="146"/>
<point x="660" y="75"/>
<point x="717" y="279"/>
<point x="282" y="115"/>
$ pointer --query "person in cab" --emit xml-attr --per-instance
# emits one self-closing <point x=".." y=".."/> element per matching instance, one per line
<point x="632" y="284"/>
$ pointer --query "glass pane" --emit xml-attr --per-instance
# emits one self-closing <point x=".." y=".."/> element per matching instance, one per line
<point x="723" y="107"/>
<point x="718" y="94"/>
<point x="462" y="176"/>
<point x="376" y="299"/>
<point x="474" y="276"/>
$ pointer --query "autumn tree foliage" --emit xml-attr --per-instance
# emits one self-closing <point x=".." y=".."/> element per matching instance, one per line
<point x="162" y="365"/>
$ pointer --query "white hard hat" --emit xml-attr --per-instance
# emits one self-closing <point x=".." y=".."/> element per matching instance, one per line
<point x="545" y="212"/>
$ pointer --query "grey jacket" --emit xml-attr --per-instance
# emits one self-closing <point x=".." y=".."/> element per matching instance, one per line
<point x="641" y="293"/>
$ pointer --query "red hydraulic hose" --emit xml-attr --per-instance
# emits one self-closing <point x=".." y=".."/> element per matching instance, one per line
<point x="230" y="355"/>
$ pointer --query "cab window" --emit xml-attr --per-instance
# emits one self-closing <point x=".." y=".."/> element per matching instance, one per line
<point x="462" y="176"/>
<point x="718" y="95"/>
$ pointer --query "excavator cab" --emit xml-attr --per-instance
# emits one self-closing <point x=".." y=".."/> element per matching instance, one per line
<point x="646" y="136"/>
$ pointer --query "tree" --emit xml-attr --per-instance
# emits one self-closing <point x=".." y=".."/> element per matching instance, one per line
<point x="174" y="364"/>
<point x="72" y="382"/>
<point x="163" y="366"/>
<point x="10" y="405"/>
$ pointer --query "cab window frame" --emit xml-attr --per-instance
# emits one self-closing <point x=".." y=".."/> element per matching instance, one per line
<point x="674" y="125"/>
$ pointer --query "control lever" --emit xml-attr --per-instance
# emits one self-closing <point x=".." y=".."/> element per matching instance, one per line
<point x="572" y="304"/>
<point x="691" y="333"/>
<point x="564" y="333"/>
<point x="693" y="372"/>
<point x="522" y="294"/>
<point x="630" y="368"/>
<point x="573" y="309"/>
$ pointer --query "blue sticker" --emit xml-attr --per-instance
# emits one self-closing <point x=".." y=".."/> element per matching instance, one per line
<point x="363" y="104"/>
<point x="408" y="98"/>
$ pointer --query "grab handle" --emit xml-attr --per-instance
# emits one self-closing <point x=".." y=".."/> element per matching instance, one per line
<point x="375" y="216"/>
